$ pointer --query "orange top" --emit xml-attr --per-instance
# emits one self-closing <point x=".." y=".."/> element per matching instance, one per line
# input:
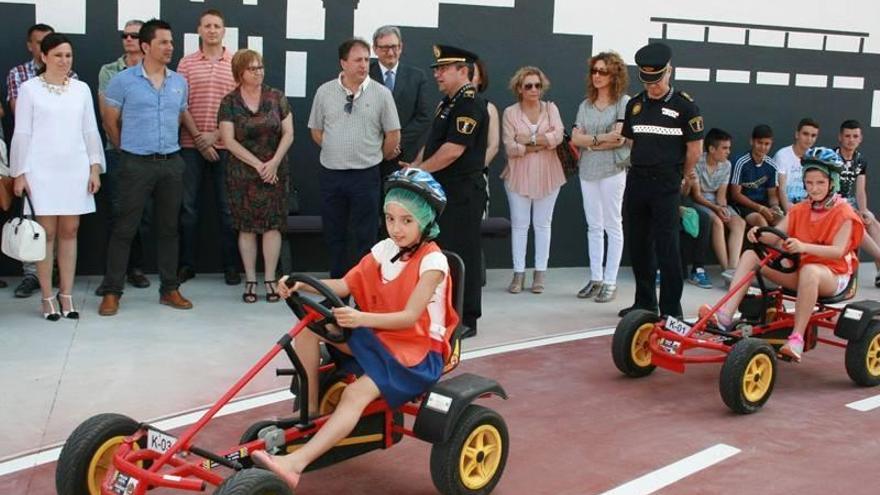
<point x="408" y="345"/>
<point x="821" y="229"/>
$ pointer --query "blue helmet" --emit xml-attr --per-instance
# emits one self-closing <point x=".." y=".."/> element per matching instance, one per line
<point x="420" y="182"/>
<point x="825" y="160"/>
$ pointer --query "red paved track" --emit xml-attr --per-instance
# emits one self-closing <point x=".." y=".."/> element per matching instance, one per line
<point x="577" y="427"/>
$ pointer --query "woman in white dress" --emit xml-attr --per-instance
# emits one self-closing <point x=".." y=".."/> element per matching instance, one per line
<point x="57" y="157"/>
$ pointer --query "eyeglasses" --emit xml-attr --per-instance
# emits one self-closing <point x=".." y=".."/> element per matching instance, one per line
<point x="349" y="103"/>
<point x="388" y="48"/>
<point x="600" y="72"/>
<point x="256" y="68"/>
<point x="530" y="86"/>
<point x="128" y="36"/>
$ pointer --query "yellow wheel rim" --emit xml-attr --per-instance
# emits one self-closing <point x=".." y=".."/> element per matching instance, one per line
<point x="872" y="360"/>
<point x="102" y="462"/>
<point x="480" y="457"/>
<point x="757" y="378"/>
<point x="331" y="398"/>
<point x="639" y="349"/>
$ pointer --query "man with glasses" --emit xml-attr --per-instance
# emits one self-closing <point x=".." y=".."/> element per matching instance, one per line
<point x="355" y="123"/>
<point x="208" y="71"/>
<point x="131" y="56"/>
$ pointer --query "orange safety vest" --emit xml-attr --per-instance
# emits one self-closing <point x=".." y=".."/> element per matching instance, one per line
<point x="408" y="345"/>
<point x="802" y="227"/>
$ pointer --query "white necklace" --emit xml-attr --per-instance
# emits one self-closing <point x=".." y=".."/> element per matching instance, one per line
<point x="56" y="89"/>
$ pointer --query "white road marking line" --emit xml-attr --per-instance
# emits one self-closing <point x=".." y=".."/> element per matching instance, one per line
<point x="676" y="471"/>
<point x="178" y="420"/>
<point x="865" y="405"/>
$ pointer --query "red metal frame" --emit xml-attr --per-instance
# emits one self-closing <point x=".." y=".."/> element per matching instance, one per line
<point x="170" y="470"/>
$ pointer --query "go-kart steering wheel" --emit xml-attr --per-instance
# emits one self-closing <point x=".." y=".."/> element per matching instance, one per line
<point x="299" y="303"/>
<point x="784" y="262"/>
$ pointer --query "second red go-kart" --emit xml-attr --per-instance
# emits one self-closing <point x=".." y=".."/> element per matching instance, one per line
<point x="112" y="454"/>
<point x="642" y="340"/>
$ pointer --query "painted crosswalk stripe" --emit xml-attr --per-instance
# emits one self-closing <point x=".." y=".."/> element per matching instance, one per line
<point x="676" y="471"/>
<point x="865" y="405"/>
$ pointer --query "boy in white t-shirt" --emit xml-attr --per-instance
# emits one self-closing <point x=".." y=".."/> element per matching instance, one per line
<point x="788" y="162"/>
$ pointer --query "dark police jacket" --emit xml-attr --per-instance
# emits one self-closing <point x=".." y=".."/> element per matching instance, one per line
<point x="462" y="119"/>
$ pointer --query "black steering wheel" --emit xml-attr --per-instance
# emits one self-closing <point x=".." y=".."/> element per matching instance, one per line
<point x="326" y="327"/>
<point x="784" y="262"/>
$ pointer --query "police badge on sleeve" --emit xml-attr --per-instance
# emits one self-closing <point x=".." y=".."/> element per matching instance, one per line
<point x="465" y="125"/>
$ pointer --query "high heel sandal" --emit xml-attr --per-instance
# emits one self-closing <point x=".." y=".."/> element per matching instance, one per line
<point x="53" y="314"/>
<point x="250" y="292"/>
<point x="73" y="314"/>
<point x="271" y="295"/>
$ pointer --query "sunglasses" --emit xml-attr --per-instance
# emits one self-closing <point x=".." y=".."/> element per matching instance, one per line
<point x="601" y="72"/>
<point x="530" y="86"/>
<point x="129" y="36"/>
<point x="349" y="105"/>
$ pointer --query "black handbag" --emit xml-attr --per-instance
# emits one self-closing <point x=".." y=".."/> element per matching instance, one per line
<point x="568" y="154"/>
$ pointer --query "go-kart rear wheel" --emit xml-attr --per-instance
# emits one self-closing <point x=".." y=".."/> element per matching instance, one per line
<point x="330" y="392"/>
<point x="253" y="482"/>
<point x="472" y="460"/>
<point x="863" y="357"/>
<point x="87" y="454"/>
<point x="748" y="375"/>
<point x="629" y="347"/>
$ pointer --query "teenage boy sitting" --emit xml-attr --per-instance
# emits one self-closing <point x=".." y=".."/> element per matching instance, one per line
<point x="753" y="181"/>
<point x="788" y="164"/>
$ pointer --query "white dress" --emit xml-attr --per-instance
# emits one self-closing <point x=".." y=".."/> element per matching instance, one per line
<point x="55" y="142"/>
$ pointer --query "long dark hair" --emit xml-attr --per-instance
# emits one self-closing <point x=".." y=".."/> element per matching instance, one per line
<point x="51" y="41"/>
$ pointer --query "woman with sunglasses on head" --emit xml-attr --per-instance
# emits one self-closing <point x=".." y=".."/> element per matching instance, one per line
<point x="603" y="170"/>
<point x="256" y="125"/>
<point x="531" y="130"/>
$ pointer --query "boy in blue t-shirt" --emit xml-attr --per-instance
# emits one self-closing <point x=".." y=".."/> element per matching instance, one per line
<point x="753" y="186"/>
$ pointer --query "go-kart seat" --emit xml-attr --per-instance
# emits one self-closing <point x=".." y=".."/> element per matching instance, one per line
<point x="456" y="274"/>
<point x="848" y="293"/>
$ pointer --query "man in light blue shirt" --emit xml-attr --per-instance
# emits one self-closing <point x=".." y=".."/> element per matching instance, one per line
<point x="144" y="106"/>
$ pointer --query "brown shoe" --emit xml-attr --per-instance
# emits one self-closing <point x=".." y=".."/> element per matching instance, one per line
<point x="175" y="300"/>
<point x="109" y="305"/>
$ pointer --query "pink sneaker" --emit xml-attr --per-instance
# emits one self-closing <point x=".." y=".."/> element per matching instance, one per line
<point x="719" y="320"/>
<point x="794" y="347"/>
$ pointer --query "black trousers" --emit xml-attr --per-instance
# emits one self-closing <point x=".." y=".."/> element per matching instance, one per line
<point x="110" y="190"/>
<point x="650" y="205"/>
<point x="349" y="195"/>
<point x="696" y="250"/>
<point x="139" y="179"/>
<point x="460" y="233"/>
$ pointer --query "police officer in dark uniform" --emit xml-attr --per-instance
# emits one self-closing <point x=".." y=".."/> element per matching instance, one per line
<point x="454" y="153"/>
<point x="666" y="132"/>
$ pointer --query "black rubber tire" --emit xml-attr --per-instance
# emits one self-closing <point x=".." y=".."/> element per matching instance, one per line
<point x="733" y="372"/>
<point x="253" y="482"/>
<point x="71" y="472"/>
<point x="857" y="357"/>
<point x="445" y="457"/>
<point x="621" y="344"/>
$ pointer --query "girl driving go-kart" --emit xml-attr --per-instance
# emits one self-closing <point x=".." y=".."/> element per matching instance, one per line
<point x="823" y="230"/>
<point x="397" y="338"/>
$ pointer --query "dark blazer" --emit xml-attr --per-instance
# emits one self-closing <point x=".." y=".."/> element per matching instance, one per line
<point x="414" y="106"/>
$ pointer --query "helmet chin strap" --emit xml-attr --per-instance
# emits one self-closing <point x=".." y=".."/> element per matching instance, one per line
<point x="415" y="246"/>
<point x="825" y="203"/>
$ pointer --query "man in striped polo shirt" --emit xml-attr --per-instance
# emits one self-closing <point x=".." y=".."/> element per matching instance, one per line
<point x="208" y="71"/>
<point x="354" y="121"/>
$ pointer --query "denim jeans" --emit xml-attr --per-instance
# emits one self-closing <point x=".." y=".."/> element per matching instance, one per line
<point x="197" y="171"/>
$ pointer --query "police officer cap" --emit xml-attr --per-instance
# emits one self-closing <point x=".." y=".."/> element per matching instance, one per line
<point x="653" y="61"/>
<point x="445" y="54"/>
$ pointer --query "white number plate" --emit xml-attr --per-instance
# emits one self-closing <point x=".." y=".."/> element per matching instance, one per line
<point x="159" y="442"/>
<point x="677" y="326"/>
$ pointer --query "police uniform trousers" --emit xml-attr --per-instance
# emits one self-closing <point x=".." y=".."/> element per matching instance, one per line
<point x="460" y="233"/>
<point x="650" y="205"/>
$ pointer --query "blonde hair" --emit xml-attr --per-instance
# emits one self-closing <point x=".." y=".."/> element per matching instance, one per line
<point x="617" y="72"/>
<point x="242" y="60"/>
<point x="523" y="72"/>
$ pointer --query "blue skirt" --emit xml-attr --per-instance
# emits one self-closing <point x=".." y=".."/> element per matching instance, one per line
<point x="397" y="383"/>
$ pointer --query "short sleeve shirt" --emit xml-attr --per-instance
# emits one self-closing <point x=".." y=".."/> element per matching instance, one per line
<point x="711" y="181"/>
<point x="598" y="164"/>
<point x="660" y="129"/>
<point x="754" y="178"/>
<point x="789" y="165"/>
<point x="462" y="119"/>
<point x="852" y="169"/>
<point x="259" y="132"/>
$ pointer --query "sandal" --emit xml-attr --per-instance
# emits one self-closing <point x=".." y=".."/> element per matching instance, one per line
<point x="271" y="295"/>
<point x="53" y="314"/>
<point x="72" y="314"/>
<point x="250" y="292"/>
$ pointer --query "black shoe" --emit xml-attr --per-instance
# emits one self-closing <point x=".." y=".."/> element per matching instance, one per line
<point x="469" y="332"/>
<point x="185" y="273"/>
<point x="232" y="276"/>
<point x="623" y="312"/>
<point x="29" y="284"/>
<point x="2" y="284"/>
<point x="137" y="279"/>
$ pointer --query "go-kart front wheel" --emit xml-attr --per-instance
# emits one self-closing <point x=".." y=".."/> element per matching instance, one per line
<point x="87" y="454"/>
<point x="629" y="347"/>
<point x="472" y="460"/>
<point x="253" y="482"/>
<point x="748" y="375"/>
<point x="863" y="357"/>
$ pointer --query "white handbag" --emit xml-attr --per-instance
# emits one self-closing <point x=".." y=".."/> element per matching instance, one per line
<point x="23" y="238"/>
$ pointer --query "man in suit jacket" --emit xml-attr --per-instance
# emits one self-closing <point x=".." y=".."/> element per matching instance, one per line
<point x="409" y="86"/>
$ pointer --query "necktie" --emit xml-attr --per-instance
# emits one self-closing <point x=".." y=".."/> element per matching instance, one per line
<point x="389" y="80"/>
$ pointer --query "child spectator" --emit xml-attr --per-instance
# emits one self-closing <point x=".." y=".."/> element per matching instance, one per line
<point x="753" y="181"/>
<point x="788" y="162"/>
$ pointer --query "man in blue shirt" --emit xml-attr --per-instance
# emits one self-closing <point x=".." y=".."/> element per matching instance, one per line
<point x="753" y="181"/>
<point x="144" y="106"/>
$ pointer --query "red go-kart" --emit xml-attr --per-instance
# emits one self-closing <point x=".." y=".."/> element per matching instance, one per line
<point x="111" y="454"/>
<point x="643" y="340"/>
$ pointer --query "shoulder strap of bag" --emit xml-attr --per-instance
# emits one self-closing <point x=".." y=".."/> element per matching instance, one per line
<point x="26" y="199"/>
